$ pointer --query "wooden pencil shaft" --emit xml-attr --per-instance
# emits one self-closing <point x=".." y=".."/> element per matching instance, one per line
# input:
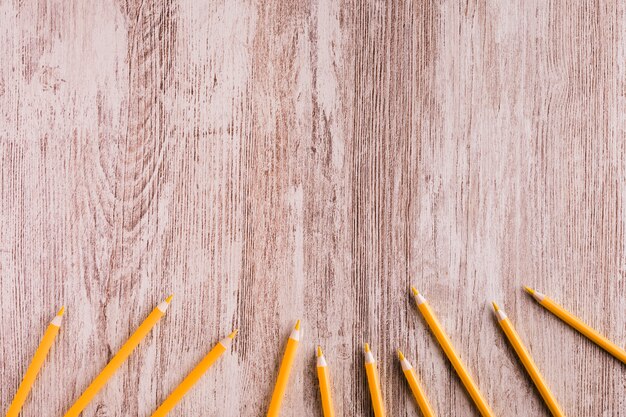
<point x="418" y="393"/>
<point x="531" y="367"/>
<point x="325" y="391"/>
<point x="283" y="378"/>
<point x="375" y="391"/>
<point x="190" y="380"/>
<point x="454" y="358"/>
<point x="33" y="370"/>
<point x="584" y="329"/>
<point x="117" y="361"/>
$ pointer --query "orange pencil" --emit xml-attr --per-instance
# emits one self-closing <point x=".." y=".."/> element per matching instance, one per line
<point x="528" y="362"/>
<point x="578" y="324"/>
<point x="453" y="357"/>
<point x="324" y="381"/>
<point x="36" y="364"/>
<point x="416" y="388"/>
<point x="118" y="359"/>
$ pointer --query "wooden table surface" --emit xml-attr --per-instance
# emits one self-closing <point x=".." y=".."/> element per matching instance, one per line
<point x="272" y="160"/>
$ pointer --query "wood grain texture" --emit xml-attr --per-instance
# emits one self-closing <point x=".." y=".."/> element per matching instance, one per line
<point x="272" y="160"/>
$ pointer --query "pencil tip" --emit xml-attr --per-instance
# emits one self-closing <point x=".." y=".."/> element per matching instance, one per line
<point x="400" y="355"/>
<point x="495" y="306"/>
<point x="233" y="334"/>
<point x="529" y="290"/>
<point x="297" y="325"/>
<point x="367" y="347"/>
<point x="319" y="351"/>
<point x="414" y="291"/>
<point x="169" y="299"/>
<point x="61" y="311"/>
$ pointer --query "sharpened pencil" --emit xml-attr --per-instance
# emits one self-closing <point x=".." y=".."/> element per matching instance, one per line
<point x="324" y="381"/>
<point x="35" y="365"/>
<point x="373" y="381"/>
<point x="195" y="375"/>
<point x="119" y="358"/>
<point x="284" y="371"/>
<point x="578" y="324"/>
<point x="528" y="362"/>
<point x="455" y="360"/>
<point x="416" y="388"/>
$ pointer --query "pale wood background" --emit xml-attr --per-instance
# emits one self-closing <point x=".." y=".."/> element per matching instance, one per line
<point x="272" y="160"/>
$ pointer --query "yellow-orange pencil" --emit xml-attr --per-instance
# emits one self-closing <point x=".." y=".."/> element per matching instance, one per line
<point x="283" y="373"/>
<point x="193" y="377"/>
<point x="118" y="359"/>
<point x="528" y="362"/>
<point x="416" y="388"/>
<point x="453" y="357"/>
<point x="324" y="380"/>
<point x="35" y="365"/>
<point x="373" y="381"/>
<point x="578" y="324"/>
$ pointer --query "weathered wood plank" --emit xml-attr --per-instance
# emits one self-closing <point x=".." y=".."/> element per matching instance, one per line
<point x="275" y="160"/>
